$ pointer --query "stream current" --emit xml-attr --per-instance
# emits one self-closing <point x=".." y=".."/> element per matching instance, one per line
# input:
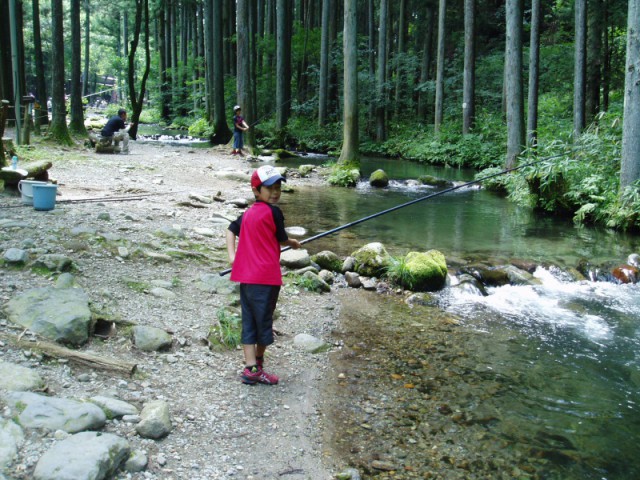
<point x="537" y="381"/>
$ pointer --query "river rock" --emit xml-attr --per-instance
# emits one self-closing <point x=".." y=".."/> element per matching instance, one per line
<point x="353" y="279"/>
<point x="113" y="407"/>
<point x="379" y="178"/>
<point x="305" y="170"/>
<point x="328" y="260"/>
<point x="295" y="258"/>
<point x="214" y="283"/>
<point x="83" y="456"/>
<point x="16" y="256"/>
<point x="54" y="262"/>
<point x="50" y="413"/>
<point x="66" y="280"/>
<point x="518" y="276"/>
<point x="470" y="284"/>
<point x="349" y="265"/>
<point x="155" y="420"/>
<point x="11" y="439"/>
<point x="427" y="270"/>
<point x="435" y="181"/>
<point x="136" y="462"/>
<point x="59" y="314"/>
<point x="372" y="259"/>
<point x="151" y="339"/>
<point x="625" y="274"/>
<point x="309" y="343"/>
<point x="15" y="378"/>
<point x="327" y="276"/>
<point x="173" y="231"/>
<point x="160" y="292"/>
<point x="317" y="284"/>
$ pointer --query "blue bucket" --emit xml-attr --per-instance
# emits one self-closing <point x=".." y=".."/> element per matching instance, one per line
<point x="44" y="196"/>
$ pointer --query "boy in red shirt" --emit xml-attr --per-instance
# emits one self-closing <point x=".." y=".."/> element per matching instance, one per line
<point x="256" y="265"/>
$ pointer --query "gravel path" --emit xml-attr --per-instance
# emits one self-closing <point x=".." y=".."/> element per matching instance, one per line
<point x="222" y="429"/>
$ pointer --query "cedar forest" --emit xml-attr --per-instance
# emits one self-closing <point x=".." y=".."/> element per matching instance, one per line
<point x="483" y="84"/>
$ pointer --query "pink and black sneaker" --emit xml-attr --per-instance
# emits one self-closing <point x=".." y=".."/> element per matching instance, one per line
<point x="253" y="375"/>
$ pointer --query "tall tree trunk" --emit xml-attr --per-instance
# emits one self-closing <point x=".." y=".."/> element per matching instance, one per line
<point x="371" y="54"/>
<point x="58" y="129"/>
<point x="165" y="108"/>
<point x="513" y="71"/>
<point x="350" y="139"/>
<point x="425" y="63"/>
<point x="323" y="95"/>
<point x="594" y="59"/>
<point x="440" y="68"/>
<point x="221" y="132"/>
<point x="402" y="34"/>
<point x="76" y="124"/>
<point x="283" y="63"/>
<point x="606" y="56"/>
<point x="6" y="84"/>
<point x="579" y="67"/>
<point x="243" y="80"/>
<point x="630" y="165"/>
<point x="469" y="82"/>
<point x="137" y="101"/>
<point x="87" y="43"/>
<point x="534" y="72"/>
<point x="381" y="77"/>
<point x="41" y="113"/>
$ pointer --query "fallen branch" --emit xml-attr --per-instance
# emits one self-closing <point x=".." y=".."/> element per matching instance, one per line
<point x="86" y="359"/>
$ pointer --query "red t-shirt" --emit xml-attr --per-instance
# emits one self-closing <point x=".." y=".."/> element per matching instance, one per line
<point x="260" y="230"/>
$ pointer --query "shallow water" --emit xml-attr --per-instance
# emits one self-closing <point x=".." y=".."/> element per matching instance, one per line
<point x="529" y="382"/>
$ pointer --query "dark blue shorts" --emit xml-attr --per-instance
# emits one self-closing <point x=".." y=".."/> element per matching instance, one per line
<point x="258" y="304"/>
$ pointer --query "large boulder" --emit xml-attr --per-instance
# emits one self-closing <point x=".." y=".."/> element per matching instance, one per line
<point x="328" y="260"/>
<point x="372" y="260"/>
<point x="379" y="178"/>
<point x="16" y="378"/>
<point x="427" y="270"/>
<point x="62" y="315"/>
<point x="294" y="259"/>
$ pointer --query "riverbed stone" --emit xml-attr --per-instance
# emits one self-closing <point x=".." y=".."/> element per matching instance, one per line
<point x="51" y="413"/>
<point x="427" y="270"/>
<point x="309" y="343"/>
<point x="113" y="407"/>
<point x="215" y="283"/>
<point x="136" y="462"/>
<point x="295" y="258"/>
<point x="353" y="279"/>
<point x="379" y="178"/>
<point x="16" y="256"/>
<point x="151" y="339"/>
<point x="83" y="456"/>
<point x="62" y="315"/>
<point x="372" y="259"/>
<point x="11" y="439"/>
<point x="54" y="262"/>
<point x="155" y="420"/>
<point x="317" y="284"/>
<point x="328" y="260"/>
<point x="16" y="378"/>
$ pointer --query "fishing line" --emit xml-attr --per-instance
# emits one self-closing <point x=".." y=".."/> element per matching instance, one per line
<point x="411" y="202"/>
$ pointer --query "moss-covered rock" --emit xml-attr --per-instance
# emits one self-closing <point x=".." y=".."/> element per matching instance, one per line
<point x="372" y="260"/>
<point x="434" y="181"/>
<point x="379" y="178"/>
<point x="328" y="260"/>
<point x="427" y="270"/>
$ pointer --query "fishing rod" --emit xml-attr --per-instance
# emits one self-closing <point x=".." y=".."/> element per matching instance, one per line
<point x="411" y="202"/>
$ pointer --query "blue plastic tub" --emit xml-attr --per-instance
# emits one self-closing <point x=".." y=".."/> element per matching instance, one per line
<point x="44" y="196"/>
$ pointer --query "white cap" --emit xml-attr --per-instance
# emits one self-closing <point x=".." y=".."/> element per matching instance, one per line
<point x="237" y="107"/>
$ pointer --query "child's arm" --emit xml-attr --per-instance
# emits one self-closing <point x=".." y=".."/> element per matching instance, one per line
<point x="231" y="246"/>
<point x="292" y="242"/>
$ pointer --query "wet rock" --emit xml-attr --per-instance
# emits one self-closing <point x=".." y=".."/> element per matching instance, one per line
<point x="349" y="265"/>
<point x="151" y="339"/>
<point x="518" y="276"/>
<point x="434" y="181"/>
<point x="305" y="170"/>
<point x="427" y="270"/>
<point x="50" y="413"/>
<point x="155" y="420"/>
<point x="353" y="279"/>
<point x="634" y="260"/>
<point x="59" y="314"/>
<point x="385" y="466"/>
<point x="626" y="274"/>
<point x="15" y="378"/>
<point x="349" y="474"/>
<point x="471" y="285"/>
<point x="379" y="179"/>
<point x="84" y="456"/>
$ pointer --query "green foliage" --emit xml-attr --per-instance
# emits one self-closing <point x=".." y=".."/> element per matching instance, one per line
<point x="227" y="331"/>
<point x="344" y="175"/>
<point x="201" y="128"/>
<point x="398" y="273"/>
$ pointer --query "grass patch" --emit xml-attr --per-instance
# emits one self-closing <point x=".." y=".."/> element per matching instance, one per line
<point x="226" y="333"/>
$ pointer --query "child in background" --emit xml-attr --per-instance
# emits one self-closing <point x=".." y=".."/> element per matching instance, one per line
<point x="239" y="126"/>
<point x="256" y="265"/>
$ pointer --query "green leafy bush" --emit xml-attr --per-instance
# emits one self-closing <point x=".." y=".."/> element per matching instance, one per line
<point x="201" y="128"/>
<point x="227" y="331"/>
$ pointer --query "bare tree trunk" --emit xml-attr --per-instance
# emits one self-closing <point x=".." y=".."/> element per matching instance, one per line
<point x="594" y="59"/>
<point x="513" y="70"/>
<point x="440" y="69"/>
<point x="58" y="129"/>
<point x="76" y="125"/>
<point x="324" y="66"/>
<point x="534" y="71"/>
<point x="142" y="7"/>
<point x="381" y="77"/>
<point x="469" y="81"/>
<point x="426" y="62"/>
<point x="579" y="67"/>
<point x="245" y="96"/>
<point x="630" y="166"/>
<point x="350" y="141"/>
<point x="283" y="63"/>
<point x="221" y="132"/>
<point x="42" y="115"/>
<point x="87" y="43"/>
<point x="402" y="34"/>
